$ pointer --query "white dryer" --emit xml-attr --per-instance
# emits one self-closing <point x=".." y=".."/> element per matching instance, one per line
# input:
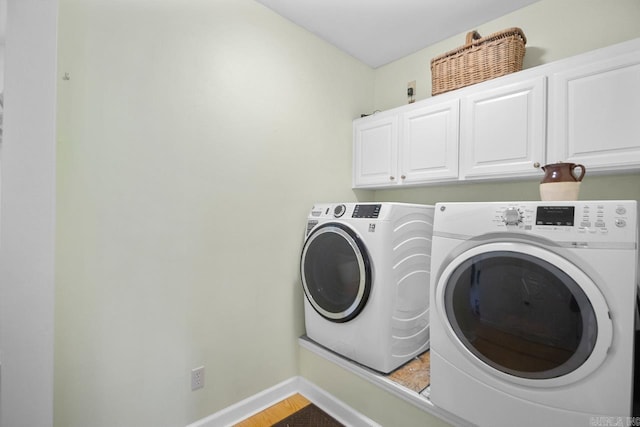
<point x="533" y="306"/>
<point x="365" y="274"/>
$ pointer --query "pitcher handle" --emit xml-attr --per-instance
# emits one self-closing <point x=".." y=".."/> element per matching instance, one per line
<point x="583" y="170"/>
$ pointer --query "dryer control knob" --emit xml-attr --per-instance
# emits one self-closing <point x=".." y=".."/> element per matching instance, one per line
<point x="512" y="216"/>
<point x="620" y="223"/>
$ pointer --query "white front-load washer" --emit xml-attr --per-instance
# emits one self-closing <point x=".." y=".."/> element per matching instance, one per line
<point x="365" y="275"/>
<point x="532" y="317"/>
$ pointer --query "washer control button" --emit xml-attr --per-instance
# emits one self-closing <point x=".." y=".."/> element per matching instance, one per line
<point x="339" y="210"/>
<point x="620" y="223"/>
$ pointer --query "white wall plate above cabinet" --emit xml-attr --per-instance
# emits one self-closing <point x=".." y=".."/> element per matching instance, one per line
<point x="596" y="110"/>
<point x="503" y="131"/>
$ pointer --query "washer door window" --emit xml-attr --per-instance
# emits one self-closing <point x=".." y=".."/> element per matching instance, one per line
<point x="528" y="313"/>
<point x="336" y="272"/>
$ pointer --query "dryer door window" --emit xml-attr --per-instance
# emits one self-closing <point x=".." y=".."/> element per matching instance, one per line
<point x="336" y="272"/>
<point x="520" y="314"/>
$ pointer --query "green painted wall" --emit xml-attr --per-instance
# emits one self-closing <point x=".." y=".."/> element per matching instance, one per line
<point x="193" y="136"/>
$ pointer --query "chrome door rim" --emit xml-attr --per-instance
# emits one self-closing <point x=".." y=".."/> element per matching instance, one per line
<point x="363" y="267"/>
<point x="597" y="300"/>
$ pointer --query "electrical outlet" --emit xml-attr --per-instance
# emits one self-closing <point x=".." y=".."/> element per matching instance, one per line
<point x="197" y="378"/>
<point x="411" y="91"/>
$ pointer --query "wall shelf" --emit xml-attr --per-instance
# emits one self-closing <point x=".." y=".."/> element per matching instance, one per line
<point x="420" y="400"/>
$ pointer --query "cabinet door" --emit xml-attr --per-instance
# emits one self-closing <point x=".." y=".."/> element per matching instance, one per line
<point x="502" y="131"/>
<point x="596" y="112"/>
<point x="375" y="148"/>
<point x="429" y="143"/>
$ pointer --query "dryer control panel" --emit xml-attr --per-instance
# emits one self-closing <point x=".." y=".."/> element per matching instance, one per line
<point x="559" y="216"/>
<point x="606" y="220"/>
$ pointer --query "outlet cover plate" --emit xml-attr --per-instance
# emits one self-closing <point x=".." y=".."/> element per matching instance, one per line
<point x="197" y="378"/>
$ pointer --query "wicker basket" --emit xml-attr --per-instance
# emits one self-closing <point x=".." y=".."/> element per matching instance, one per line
<point x="480" y="59"/>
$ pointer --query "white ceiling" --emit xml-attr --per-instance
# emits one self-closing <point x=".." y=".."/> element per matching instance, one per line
<point x="380" y="31"/>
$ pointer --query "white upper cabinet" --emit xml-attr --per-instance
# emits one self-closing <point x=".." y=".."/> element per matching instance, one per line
<point x="584" y="109"/>
<point x="503" y="131"/>
<point x="375" y="151"/>
<point x="429" y="143"/>
<point x="412" y="146"/>
<point x="596" y="111"/>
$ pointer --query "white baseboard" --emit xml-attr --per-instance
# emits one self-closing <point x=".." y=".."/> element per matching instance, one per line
<point x="266" y="398"/>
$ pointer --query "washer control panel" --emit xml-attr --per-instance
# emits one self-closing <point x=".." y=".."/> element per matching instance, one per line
<point x="366" y="211"/>
<point x="347" y="210"/>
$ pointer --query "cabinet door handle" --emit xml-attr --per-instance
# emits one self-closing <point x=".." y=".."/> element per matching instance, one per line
<point x="403" y="176"/>
<point x="536" y="165"/>
<point x="392" y="177"/>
